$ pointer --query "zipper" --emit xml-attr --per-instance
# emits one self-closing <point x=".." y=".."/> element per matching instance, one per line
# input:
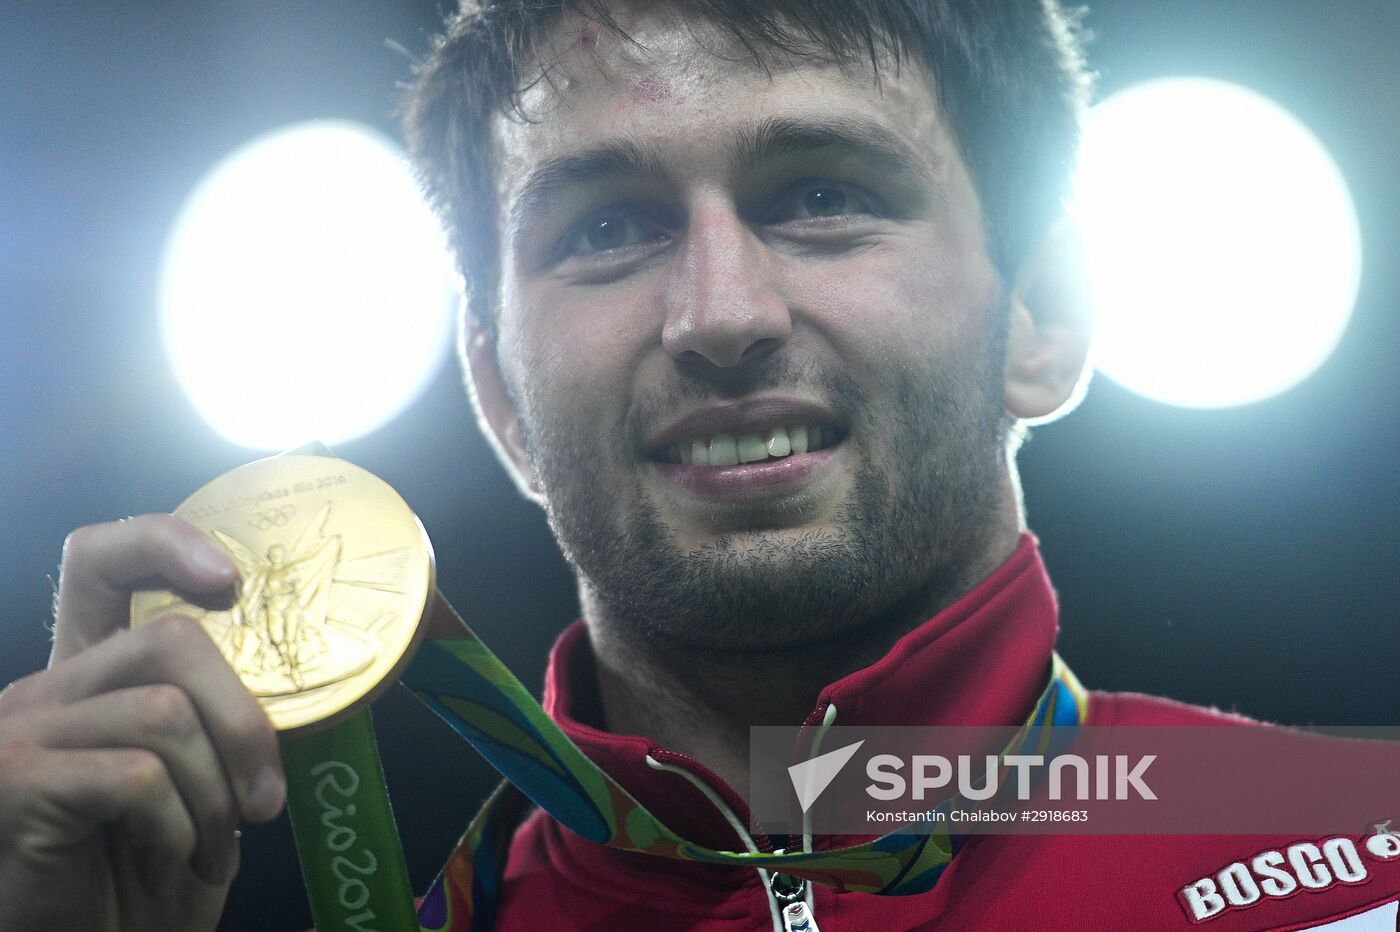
<point x="793" y="894"/>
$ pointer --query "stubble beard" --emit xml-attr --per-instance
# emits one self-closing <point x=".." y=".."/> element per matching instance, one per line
<point x="919" y="514"/>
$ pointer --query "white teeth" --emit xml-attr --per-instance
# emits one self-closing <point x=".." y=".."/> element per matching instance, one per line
<point x="723" y="450"/>
<point x="731" y="450"/>
<point x="752" y="448"/>
<point x="776" y="442"/>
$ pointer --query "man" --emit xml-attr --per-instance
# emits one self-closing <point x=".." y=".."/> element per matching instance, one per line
<point x="759" y="296"/>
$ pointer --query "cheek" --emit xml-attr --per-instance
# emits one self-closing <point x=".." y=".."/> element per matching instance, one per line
<point x="573" y="356"/>
<point x="904" y="295"/>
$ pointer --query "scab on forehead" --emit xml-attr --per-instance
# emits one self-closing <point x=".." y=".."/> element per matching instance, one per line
<point x="653" y="90"/>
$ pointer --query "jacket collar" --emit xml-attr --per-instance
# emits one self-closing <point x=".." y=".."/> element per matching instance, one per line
<point x="981" y="661"/>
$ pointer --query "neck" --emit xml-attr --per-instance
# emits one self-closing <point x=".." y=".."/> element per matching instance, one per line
<point x="701" y="701"/>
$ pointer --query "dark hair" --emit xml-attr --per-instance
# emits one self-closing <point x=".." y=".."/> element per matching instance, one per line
<point x="1009" y="75"/>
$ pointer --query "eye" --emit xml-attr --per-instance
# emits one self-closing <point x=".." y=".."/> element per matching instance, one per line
<point x="820" y="200"/>
<point x="825" y="202"/>
<point x="604" y="233"/>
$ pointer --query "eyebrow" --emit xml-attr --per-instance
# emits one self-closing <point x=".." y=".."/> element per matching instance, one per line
<point x="616" y="159"/>
<point x="866" y="140"/>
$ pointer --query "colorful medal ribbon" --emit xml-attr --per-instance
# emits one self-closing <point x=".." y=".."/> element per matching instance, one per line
<point x="473" y="691"/>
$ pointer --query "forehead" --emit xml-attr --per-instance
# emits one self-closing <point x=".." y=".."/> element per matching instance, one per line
<point x="686" y="88"/>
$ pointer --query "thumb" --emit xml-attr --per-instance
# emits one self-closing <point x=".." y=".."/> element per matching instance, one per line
<point x="104" y="563"/>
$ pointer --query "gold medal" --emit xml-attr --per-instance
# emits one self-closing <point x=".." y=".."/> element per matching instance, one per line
<point x="335" y="572"/>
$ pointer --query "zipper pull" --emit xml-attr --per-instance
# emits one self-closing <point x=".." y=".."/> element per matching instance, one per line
<point x="798" y="918"/>
<point x="791" y="893"/>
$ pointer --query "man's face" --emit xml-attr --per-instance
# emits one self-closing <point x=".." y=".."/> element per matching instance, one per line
<point x="706" y="261"/>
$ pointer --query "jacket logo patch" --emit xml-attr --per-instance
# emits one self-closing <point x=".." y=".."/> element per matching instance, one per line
<point x="1305" y="866"/>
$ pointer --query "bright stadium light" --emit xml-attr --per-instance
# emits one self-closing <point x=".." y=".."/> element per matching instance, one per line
<point x="1222" y="244"/>
<point x="306" y="290"/>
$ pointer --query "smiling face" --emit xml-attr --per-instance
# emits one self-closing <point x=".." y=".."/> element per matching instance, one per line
<point x="751" y="333"/>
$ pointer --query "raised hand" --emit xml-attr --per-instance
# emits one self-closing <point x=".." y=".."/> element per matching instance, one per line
<point x="126" y="766"/>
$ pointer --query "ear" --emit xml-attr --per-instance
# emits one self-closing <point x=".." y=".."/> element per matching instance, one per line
<point x="495" y="413"/>
<point x="1051" y="326"/>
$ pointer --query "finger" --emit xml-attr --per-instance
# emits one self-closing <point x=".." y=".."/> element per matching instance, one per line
<point x="102" y="562"/>
<point x="58" y="798"/>
<point x="162" y="719"/>
<point x="177" y="898"/>
<point x="141" y="866"/>
<point x="176" y="650"/>
<point x="59" y="809"/>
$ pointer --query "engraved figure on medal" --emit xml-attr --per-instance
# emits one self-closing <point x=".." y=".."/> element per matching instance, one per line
<point x="274" y="634"/>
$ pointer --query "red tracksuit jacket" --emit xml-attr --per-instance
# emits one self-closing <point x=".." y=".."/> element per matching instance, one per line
<point x="981" y="661"/>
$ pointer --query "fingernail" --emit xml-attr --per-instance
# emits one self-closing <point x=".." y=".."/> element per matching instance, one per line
<point x="269" y="793"/>
<point x="208" y="558"/>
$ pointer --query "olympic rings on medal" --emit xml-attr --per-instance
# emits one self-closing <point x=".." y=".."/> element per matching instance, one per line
<point x="273" y="517"/>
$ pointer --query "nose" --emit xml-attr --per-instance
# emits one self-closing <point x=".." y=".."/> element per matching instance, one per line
<point x="722" y="301"/>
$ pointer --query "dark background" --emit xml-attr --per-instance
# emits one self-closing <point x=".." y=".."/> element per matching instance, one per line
<point x="1243" y="558"/>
